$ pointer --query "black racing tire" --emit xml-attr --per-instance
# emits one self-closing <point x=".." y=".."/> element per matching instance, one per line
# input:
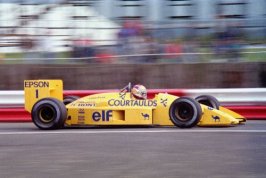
<point x="208" y="100"/>
<point x="185" y="112"/>
<point x="70" y="99"/>
<point x="49" y="114"/>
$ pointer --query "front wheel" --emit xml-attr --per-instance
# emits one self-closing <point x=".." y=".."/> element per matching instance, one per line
<point x="208" y="100"/>
<point x="185" y="112"/>
<point x="49" y="113"/>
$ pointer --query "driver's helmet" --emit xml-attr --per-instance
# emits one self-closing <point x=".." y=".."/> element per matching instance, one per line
<point x="139" y="92"/>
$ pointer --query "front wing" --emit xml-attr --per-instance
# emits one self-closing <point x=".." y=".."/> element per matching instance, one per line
<point x="221" y="117"/>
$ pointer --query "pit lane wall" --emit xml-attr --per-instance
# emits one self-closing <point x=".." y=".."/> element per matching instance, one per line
<point x="250" y="102"/>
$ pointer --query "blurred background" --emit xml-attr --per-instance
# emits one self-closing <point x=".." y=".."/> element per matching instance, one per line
<point x="95" y="44"/>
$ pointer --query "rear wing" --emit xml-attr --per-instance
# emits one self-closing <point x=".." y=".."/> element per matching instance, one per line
<point x="34" y="90"/>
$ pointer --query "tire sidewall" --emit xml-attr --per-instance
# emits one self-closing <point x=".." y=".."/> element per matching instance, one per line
<point x="197" y="112"/>
<point x="57" y="106"/>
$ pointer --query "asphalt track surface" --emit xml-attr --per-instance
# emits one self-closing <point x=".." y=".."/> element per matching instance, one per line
<point x="227" y="152"/>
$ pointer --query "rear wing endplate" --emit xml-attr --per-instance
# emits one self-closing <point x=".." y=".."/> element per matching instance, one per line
<point x="34" y="90"/>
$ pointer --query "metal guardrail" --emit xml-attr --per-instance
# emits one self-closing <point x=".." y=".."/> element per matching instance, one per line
<point x="250" y="102"/>
<point x="232" y="95"/>
<point x="242" y="96"/>
<point x="11" y="98"/>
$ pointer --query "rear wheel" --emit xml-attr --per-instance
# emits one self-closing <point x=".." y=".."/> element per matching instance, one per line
<point x="185" y="112"/>
<point x="49" y="113"/>
<point x="208" y="100"/>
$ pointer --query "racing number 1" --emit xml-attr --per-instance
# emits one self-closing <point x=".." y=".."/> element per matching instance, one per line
<point x="37" y="93"/>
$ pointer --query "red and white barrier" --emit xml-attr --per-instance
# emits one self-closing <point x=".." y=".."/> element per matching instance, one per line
<point x="249" y="102"/>
<point x="17" y="114"/>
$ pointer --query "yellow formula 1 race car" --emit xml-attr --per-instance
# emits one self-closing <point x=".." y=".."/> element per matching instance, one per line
<point x="49" y="110"/>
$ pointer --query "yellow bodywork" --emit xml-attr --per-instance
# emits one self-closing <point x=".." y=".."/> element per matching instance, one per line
<point x="34" y="90"/>
<point x="120" y="108"/>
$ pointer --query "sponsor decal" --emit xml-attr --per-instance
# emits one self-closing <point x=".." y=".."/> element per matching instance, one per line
<point x="36" y="84"/>
<point x="96" y="97"/>
<point x="114" y="102"/>
<point x="102" y="116"/>
<point x="164" y="102"/>
<point x="81" y="119"/>
<point x="89" y="104"/>
<point x="122" y="95"/>
<point x="216" y="118"/>
<point x="81" y="116"/>
<point x="145" y="116"/>
<point x="81" y="111"/>
<point x="84" y="104"/>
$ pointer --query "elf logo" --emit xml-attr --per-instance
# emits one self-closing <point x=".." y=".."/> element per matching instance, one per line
<point x="102" y="116"/>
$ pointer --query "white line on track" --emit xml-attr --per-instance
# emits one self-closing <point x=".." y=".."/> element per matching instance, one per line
<point x="129" y="131"/>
